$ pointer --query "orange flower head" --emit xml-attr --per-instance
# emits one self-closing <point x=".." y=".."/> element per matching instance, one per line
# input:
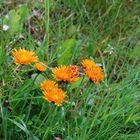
<point x="95" y="74"/>
<point x="52" y="93"/>
<point x="46" y="85"/>
<point x="87" y="63"/>
<point x="23" y="56"/>
<point x="40" y="66"/>
<point x="66" y="73"/>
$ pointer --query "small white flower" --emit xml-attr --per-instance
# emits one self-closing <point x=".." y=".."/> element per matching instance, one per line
<point x="109" y="49"/>
<point x="99" y="64"/>
<point x="21" y="36"/>
<point x="39" y="43"/>
<point x="7" y="16"/>
<point x="5" y="27"/>
<point x="35" y="13"/>
<point x="110" y="52"/>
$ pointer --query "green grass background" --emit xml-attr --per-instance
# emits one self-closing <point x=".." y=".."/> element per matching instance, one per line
<point x="65" y="32"/>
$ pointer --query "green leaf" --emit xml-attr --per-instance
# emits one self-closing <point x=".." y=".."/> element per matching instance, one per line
<point x="136" y="51"/>
<point x="91" y="48"/>
<point x="66" y="51"/>
<point x="21" y="125"/>
<point x="1" y="55"/>
<point x="76" y="4"/>
<point x="77" y="83"/>
<point x="13" y="22"/>
<point x="23" y="12"/>
<point x="38" y="79"/>
<point x="24" y="88"/>
<point x="15" y="19"/>
<point x="72" y="30"/>
<point x="32" y="137"/>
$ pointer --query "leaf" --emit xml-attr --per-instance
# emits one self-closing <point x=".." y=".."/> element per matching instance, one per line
<point x="13" y="22"/>
<point x="1" y="55"/>
<point x="24" y="88"/>
<point x="77" y="83"/>
<point x="72" y="30"/>
<point x="76" y="4"/>
<point x="0" y="21"/>
<point x="21" y="125"/>
<point x="91" y="48"/>
<point x="66" y="51"/>
<point x="38" y="79"/>
<point x="16" y="18"/>
<point x="32" y="137"/>
<point x="23" y="12"/>
<point x="136" y="51"/>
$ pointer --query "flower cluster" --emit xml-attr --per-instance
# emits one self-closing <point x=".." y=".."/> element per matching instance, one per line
<point x="25" y="57"/>
<point x="51" y="91"/>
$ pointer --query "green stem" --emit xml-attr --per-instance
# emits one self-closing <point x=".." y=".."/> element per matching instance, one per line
<point x="45" y="45"/>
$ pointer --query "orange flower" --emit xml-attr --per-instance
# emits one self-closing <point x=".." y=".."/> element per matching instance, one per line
<point x="87" y="63"/>
<point x="40" y="66"/>
<point x="66" y="73"/>
<point x="52" y="93"/>
<point x="23" y="56"/>
<point x="95" y="74"/>
<point x="92" y="71"/>
<point x="48" y="84"/>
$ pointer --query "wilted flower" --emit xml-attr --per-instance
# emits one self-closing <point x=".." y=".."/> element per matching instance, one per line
<point x="52" y="93"/>
<point x="66" y="73"/>
<point x="23" y="56"/>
